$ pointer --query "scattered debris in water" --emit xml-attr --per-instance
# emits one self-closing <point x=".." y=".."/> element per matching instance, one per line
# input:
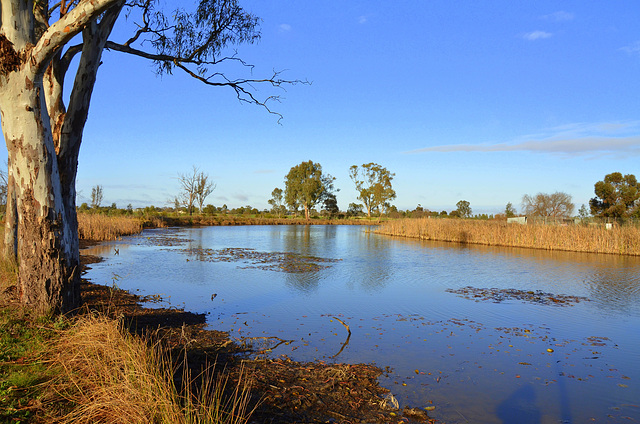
<point x="269" y="261"/>
<point x="500" y="295"/>
<point x="155" y="298"/>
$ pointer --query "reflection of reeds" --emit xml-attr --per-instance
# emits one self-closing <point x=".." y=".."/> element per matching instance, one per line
<point x="102" y="227"/>
<point x="110" y="376"/>
<point x="623" y="240"/>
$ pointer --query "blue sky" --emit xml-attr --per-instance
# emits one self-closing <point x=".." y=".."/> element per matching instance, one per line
<point x="477" y="100"/>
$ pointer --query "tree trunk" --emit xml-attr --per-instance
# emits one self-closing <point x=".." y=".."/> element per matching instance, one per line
<point x="47" y="267"/>
<point x="43" y="141"/>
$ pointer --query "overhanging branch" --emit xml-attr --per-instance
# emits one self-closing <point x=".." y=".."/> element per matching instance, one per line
<point x="63" y="30"/>
<point x="243" y="86"/>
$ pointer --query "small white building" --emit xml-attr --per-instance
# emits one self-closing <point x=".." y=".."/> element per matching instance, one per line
<point x="522" y="220"/>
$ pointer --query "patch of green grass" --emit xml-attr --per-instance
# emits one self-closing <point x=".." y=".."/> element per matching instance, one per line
<point x="22" y="342"/>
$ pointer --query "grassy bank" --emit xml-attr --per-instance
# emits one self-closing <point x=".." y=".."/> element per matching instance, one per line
<point x="575" y="238"/>
<point x="90" y="369"/>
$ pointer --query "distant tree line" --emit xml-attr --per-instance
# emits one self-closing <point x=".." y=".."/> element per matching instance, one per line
<point x="311" y="192"/>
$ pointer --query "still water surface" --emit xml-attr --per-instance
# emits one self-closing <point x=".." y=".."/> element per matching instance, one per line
<point x="476" y="360"/>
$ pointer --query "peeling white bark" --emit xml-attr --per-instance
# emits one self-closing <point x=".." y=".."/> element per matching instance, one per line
<point x="32" y="112"/>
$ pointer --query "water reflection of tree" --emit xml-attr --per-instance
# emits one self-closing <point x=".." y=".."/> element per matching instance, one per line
<point x="375" y="272"/>
<point x="615" y="289"/>
<point x="309" y="240"/>
<point x="195" y="239"/>
<point x="299" y="239"/>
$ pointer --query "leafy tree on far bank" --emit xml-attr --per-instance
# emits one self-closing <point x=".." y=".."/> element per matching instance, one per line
<point x="583" y="212"/>
<point x="373" y="183"/>
<point x="277" y="202"/>
<point x="306" y="186"/>
<point x="463" y="209"/>
<point x="509" y="210"/>
<point x="617" y="196"/>
<point x="354" y="209"/>
<point x="330" y="204"/>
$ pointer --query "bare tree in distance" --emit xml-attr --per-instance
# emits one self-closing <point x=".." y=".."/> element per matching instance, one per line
<point x="43" y="125"/>
<point x="195" y="188"/>
<point x="96" y="196"/>
<point x="204" y="187"/>
<point x="555" y="205"/>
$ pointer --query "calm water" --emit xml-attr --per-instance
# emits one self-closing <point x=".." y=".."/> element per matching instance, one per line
<point x="476" y="361"/>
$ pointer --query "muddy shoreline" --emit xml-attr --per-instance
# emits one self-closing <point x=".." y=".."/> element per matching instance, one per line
<point x="284" y="391"/>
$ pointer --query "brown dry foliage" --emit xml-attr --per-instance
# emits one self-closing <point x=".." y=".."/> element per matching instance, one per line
<point x="102" y="227"/>
<point x="110" y="376"/>
<point x="575" y="238"/>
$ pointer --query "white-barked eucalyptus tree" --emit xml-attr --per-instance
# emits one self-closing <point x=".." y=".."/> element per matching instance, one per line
<point x="43" y="133"/>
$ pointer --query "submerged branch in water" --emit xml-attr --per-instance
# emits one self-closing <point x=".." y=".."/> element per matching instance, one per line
<point x="346" y="342"/>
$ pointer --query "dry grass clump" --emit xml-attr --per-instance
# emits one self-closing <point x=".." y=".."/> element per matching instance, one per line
<point x="577" y="238"/>
<point x="102" y="227"/>
<point x="8" y="267"/>
<point x="8" y="272"/>
<point x="111" y="376"/>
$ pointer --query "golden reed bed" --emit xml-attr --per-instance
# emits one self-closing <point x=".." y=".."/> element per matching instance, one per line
<point x="99" y="227"/>
<point x="576" y="238"/>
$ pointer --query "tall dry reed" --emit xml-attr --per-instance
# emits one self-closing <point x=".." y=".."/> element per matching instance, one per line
<point x="103" y="227"/>
<point x="576" y="238"/>
<point x="8" y="267"/>
<point x="110" y="376"/>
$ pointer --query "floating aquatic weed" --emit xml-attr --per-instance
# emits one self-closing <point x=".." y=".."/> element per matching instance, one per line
<point x="167" y="238"/>
<point x="500" y="295"/>
<point x="269" y="261"/>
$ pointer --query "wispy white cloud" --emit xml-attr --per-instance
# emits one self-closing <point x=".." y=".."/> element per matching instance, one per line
<point x="632" y="49"/>
<point x="612" y="140"/>
<point x="284" y="27"/>
<point x="559" y="16"/>
<point x="362" y="20"/>
<point x="241" y="197"/>
<point x="536" y="35"/>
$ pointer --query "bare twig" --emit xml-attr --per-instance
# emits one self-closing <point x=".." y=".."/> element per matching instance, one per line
<point x="343" y="323"/>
